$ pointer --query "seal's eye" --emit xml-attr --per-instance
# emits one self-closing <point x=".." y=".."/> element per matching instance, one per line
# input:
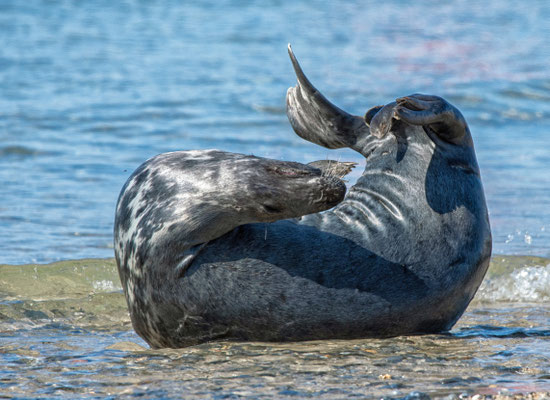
<point x="288" y="171"/>
<point x="271" y="209"/>
<point x="371" y="113"/>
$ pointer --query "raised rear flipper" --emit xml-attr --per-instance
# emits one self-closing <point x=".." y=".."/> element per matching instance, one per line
<point x="316" y="119"/>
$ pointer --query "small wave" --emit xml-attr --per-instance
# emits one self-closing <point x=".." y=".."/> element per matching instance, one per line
<point x="269" y="109"/>
<point x="88" y="293"/>
<point x="17" y="151"/>
<point x="516" y="279"/>
<point x="77" y="292"/>
<point x="489" y="331"/>
<point x="59" y="280"/>
<point x="535" y="91"/>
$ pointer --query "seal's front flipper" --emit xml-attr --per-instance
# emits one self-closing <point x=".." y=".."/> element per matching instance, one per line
<point x="434" y="112"/>
<point x="316" y="119"/>
<point x="187" y="258"/>
<point x="333" y="168"/>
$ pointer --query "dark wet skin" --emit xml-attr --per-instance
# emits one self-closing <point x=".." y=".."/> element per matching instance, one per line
<point x="403" y="253"/>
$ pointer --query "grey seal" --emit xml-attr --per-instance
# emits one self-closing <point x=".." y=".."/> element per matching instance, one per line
<point x="213" y="245"/>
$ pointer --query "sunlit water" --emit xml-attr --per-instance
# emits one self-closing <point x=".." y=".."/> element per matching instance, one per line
<point x="65" y="332"/>
<point x="89" y="90"/>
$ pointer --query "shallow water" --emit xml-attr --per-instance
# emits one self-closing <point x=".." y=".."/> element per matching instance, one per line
<point x="78" y="342"/>
<point x="89" y="90"/>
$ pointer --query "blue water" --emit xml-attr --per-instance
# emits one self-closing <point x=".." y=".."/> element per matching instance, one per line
<point x="89" y="90"/>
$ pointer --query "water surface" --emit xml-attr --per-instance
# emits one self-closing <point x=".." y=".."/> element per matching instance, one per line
<point x="77" y="341"/>
<point x="89" y="90"/>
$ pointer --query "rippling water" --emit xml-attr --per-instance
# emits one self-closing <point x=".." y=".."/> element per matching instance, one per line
<point x="65" y="332"/>
<point x="89" y="90"/>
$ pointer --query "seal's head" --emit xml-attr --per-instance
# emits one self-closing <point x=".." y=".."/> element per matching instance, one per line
<point x="255" y="189"/>
<point x="289" y="189"/>
<point x="200" y="195"/>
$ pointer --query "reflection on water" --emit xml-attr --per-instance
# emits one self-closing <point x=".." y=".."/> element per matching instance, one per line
<point x="78" y="342"/>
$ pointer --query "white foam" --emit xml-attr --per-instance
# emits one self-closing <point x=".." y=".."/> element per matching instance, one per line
<point x="105" y="286"/>
<point x="527" y="284"/>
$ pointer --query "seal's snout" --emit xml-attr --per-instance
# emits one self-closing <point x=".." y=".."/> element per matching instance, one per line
<point x="289" y="189"/>
<point x="334" y="191"/>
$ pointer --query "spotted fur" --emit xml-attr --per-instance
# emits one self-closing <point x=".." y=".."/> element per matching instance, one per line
<point x="214" y="245"/>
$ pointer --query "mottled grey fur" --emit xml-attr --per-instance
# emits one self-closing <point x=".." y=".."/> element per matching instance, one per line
<point x="206" y="249"/>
